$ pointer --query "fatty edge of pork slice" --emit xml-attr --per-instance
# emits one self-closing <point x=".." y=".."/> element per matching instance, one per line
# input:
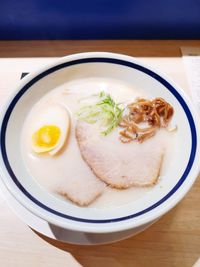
<point x="85" y="194"/>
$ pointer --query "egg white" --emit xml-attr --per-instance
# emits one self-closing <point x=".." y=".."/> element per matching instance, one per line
<point x="52" y="114"/>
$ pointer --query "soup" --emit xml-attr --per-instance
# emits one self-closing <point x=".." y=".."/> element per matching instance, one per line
<point x="77" y="158"/>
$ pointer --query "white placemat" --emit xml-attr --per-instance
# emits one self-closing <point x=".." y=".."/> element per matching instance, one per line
<point x="191" y="59"/>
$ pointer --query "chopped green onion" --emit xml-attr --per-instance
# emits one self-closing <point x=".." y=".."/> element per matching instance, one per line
<point x="104" y="110"/>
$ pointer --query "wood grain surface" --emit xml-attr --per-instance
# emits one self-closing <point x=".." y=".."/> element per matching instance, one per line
<point x="173" y="241"/>
<point x="145" y="48"/>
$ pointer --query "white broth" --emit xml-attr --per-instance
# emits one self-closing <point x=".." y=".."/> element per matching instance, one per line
<point x="54" y="172"/>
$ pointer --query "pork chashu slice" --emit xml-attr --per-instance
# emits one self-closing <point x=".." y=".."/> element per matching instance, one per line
<point x="117" y="164"/>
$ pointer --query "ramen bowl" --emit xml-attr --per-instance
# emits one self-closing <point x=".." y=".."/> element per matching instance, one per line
<point x="178" y="174"/>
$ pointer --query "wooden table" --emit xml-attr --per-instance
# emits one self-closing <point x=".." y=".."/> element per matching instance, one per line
<point x="173" y="241"/>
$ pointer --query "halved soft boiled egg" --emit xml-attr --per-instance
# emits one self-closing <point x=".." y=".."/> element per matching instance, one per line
<point x="51" y="130"/>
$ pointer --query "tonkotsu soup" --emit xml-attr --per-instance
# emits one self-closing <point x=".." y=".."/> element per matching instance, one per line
<point x="80" y="144"/>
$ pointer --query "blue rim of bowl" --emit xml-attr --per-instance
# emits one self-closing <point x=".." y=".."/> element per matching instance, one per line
<point x="138" y="67"/>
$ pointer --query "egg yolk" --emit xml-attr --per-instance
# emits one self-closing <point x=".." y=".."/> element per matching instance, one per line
<point x="46" y="136"/>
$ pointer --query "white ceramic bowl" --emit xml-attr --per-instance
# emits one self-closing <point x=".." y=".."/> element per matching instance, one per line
<point x="178" y="176"/>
